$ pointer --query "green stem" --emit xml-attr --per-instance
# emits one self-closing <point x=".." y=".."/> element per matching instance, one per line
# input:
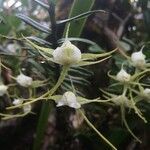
<point x="92" y="126"/>
<point x="42" y="123"/>
<point x="126" y="124"/>
<point x="60" y="80"/>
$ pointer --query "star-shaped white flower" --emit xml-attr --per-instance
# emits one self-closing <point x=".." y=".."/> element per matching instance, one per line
<point x="17" y="102"/>
<point x="24" y="80"/>
<point x="138" y="59"/>
<point x="70" y="55"/>
<point x="3" y="89"/>
<point x="69" y="99"/>
<point x="27" y="108"/>
<point x="67" y="54"/>
<point x="123" y="76"/>
<point x="147" y="91"/>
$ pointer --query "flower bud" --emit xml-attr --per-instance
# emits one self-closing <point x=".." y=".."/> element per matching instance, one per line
<point x="138" y="59"/>
<point x="3" y="89"/>
<point x="122" y="100"/>
<point x="146" y="92"/>
<point x="24" y="80"/>
<point x="17" y="102"/>
<point x="70" y="100"/>
<point x="67" y="54"/>
<point x="27" y="108"/>
<point x="123" y="76"/>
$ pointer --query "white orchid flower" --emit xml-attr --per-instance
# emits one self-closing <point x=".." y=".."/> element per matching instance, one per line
<point x="70" y="55"/>
<point x="138" y="59"/>
<point x="147" y="92"/>
<point x="67" y="54"/>
<point x="27" y="108"/>
<point x="17" y="102"/>
<point x="69" y="99"/>
<point x="24" y="80"/>
<point x="123" y="76"/>
<point x="3" y="89"/>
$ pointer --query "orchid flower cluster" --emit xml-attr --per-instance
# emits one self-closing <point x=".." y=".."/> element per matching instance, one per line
<point x="133" y="90"/>
<point x="67" y="56"/>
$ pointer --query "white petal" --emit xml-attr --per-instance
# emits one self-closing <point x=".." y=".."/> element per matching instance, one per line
<point x="147" y="92"/>
<point x="67" y="54"/>
<point x="27" y="108"/>
<point x="17" y="102"/>
<point x="3" y="89"/>
<point x="75" y="105"/>
<point x="24" y="80"/>
<point x="60" y="103"/>
<point x="70" y="100"/>
<point x="138" y="59"/>
<point x="123" y="76"/>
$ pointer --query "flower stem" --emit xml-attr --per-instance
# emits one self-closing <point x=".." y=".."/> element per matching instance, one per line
<point x="42" y="123"/>
<point x="92" y="126"/>
<point x="126" y="124"/>
<point x="60" y="80"/>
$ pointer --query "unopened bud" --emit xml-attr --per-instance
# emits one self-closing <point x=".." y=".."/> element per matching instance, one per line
<point x="70" y="100"/>
<point x="67" y="54"/>
<point x="123" y="76"/>
<point x="138" y="59"/>
<point x="3" y="89"/>
<point x="24" y="80"/>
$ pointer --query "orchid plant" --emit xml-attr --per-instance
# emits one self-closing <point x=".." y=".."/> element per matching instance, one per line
<point x="68" y="56"/>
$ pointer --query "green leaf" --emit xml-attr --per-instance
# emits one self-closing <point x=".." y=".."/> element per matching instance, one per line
<point x="89" y="56"/>
<point x="10" y="23"/>
<point x="36" y="65"/>
<point x="42" y="4"/>
<point x="39" y="48"/>
<point x="34" y="24"/>
<point x="78" y="7"/>
<point x="83" y="15"/>
<point x="79" y="40"/>
<point x="38" y="83"/>
<point x="95" y="49"/>
<point x="46" y="108"/>
<point x="39" y="40"/>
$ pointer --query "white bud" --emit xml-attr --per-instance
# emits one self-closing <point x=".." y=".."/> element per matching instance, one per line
<point x="12" y="47"/>
<point x="27" y="108"/>
<point x="3" y="89"/>
<point x="146" y="92"/>
<point x="122" y="100"/>
<point x="138" y="59"/>
<point x="24" y="80"/>
<point x="67" y="54"/>
<point x="70" y="100"/>
<point x="123" y="76"/>
<point x="17" y="102"/>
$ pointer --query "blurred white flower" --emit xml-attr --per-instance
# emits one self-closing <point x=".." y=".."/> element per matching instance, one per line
<point x="138" y="59"/>
<point x="122" y="100"/>
<point x="24" y="80"/>
<point x="67" y="54"/>
<point x="27" y="108"/>
<point x="40" y="13"/>
<point x="70" y="100"/>
<point x="17" y="101"/>
<point x="3" y="89"/>
<point x="12" y="47"/>
<point x="123" y="76"/>
<point x="146" y="92"/>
